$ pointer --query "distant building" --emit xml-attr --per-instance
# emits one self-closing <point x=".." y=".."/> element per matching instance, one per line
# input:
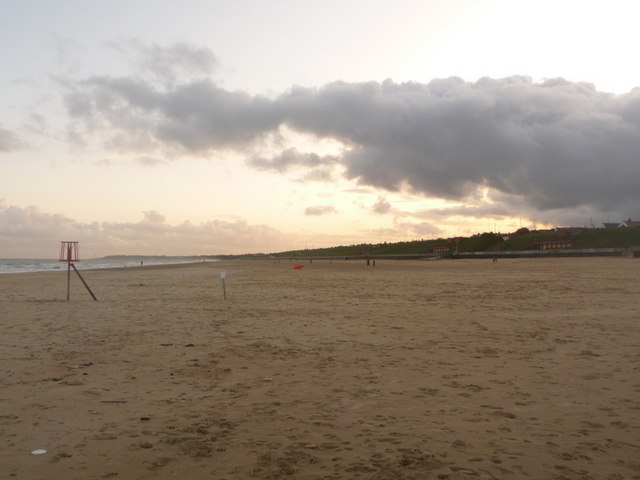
<point x="570" y="231"/>
<point x="630" y="223"/>
<point x="626" y="223"/>
<point x="552" y="244"/>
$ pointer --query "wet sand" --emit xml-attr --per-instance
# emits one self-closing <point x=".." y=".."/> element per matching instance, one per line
<point x="466" y="369"/>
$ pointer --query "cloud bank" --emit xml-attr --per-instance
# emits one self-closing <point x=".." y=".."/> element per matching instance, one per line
<point x="551" y="146"/>
<point x="30" y="232"/>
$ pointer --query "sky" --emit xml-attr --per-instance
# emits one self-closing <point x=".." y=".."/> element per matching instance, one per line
<point x="206" y="127"/>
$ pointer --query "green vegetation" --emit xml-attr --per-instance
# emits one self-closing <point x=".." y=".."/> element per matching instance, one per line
<point x="480" y="243"/>
<point x="401" y="248"/>
<point x="523" y="239"/>
<point x="527" y="241"/>
<point x="608" y="238"/>
<point x="580" y="238"/>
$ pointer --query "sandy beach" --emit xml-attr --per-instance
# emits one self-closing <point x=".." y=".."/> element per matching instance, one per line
<point x="466" y="369"/>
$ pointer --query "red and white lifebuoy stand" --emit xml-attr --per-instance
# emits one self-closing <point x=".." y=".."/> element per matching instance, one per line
<point x="69" y="254"/>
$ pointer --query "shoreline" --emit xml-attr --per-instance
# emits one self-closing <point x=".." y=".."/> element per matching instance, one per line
<point x="61" y="266"/>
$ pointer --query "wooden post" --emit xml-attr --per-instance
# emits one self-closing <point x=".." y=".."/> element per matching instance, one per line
<point x="85" y="283"/>
<point x="68" y="253"/>
<point x="223" y="275"/>
<point x="68" y="279"/>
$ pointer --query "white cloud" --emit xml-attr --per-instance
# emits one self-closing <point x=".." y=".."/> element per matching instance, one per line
<point x="319" y="210"/>
<point x="382" y="206"/>
<point x="168" y="65"/>
<point x="292" y="158"/>
<point x="9" y="141"/>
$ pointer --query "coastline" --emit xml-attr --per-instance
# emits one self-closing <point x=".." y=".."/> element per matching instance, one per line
<point x="32" y="265"/>
<point x="526" y="368"/>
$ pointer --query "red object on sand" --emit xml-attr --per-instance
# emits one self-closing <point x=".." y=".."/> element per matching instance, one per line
<point x="298" y="267"/>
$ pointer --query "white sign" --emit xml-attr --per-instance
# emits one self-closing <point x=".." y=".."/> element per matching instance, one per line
<point x="223" y="275"/>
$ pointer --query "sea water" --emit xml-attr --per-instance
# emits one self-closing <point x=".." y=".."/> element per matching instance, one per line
<point x="25" y="265"/>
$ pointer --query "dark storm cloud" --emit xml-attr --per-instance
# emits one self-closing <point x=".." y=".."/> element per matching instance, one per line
<point x="558" y="144"/>
<point x="197" y="116"/>
<point x="554" y="144"/>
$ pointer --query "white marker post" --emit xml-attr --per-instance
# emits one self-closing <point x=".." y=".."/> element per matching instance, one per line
<point x="223" y="275"/>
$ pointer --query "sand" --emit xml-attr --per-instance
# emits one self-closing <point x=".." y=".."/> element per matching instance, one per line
<point x="463" y="369"/>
